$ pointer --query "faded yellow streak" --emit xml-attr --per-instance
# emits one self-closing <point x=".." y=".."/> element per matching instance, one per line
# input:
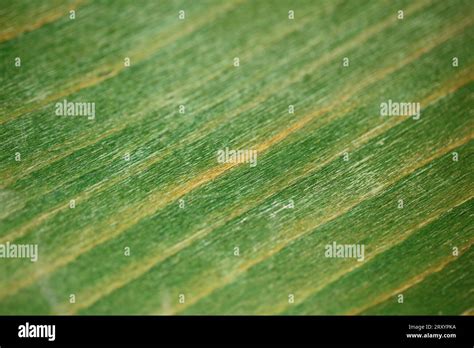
<point x="346" y="95"/>
<point x="158" y="200"/>
<point x="134" y="271"/>
<point x="50" y="17"/>
<point x="105" y="72"/>
<point x="139" y="167"/>
<point x="310" y="67"/>
<point x="396" y="241"/>
<point x="411" y="282"/>
<point x="326" y="58"/>
<point x="306" y="227"/>
<point x="148" y="106"/>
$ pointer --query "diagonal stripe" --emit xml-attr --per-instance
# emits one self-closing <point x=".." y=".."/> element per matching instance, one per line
<point x="135" y="271"/>
<point x="337" y="276"/>
<point x="105" y="72"/>
<point x="158" y="200"/>
<point x="411" y="282"/>
<point x="50" y="17"/>
<point x="305" y="230"/>
<point x="147" y="106"/>
<point x="345" y="96"/>
<point x="313" y="66"/>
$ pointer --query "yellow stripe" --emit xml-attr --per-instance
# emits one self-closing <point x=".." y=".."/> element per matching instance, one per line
<point x="296" y="126"/>
<point x="158" y="200"/>
<point x="136" y="270"/>
<point x="149" y="105"/>
<point x="107" y="72"/>
<point x="50" y="17"/>
<point x="307" y="227"/>
<point x="411" y="282"/>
